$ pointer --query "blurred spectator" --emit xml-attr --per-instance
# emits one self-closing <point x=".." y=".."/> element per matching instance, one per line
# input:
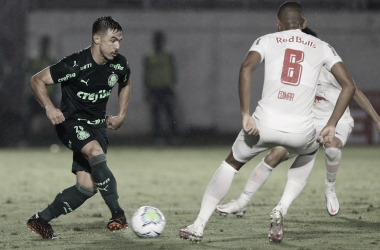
<point x="33" y="108"/>
<point x="160" y="77"/>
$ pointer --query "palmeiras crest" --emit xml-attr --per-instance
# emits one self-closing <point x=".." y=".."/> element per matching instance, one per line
<point x="112" y="80"/>
<point x="83" y="135"/>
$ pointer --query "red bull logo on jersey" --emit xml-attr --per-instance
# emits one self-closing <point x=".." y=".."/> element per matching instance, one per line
<point x="296" y="39"/>
<point x="318" y="99"/>
<point x="285" y="95"/>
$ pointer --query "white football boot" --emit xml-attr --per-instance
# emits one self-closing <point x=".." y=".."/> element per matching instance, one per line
<point x="332" y="203"/>
<point x="191" y="233"/>
<point x="231" y="208"/>
<point x="276" y="230"/>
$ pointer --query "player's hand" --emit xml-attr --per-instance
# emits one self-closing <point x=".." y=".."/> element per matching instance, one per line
<point x="326" y="136"/>
<point x="54" y="115"/>
<point x="249" y="125"/>
<point x="114" y="122"/>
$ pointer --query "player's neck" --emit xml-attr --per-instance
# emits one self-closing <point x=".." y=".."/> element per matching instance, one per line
<point x="97" y="56"/>
<point x="291" y="29"/>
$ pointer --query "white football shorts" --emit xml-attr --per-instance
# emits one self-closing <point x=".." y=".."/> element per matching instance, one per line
<point x="342" y="130"/>
<point x="247" y="146"/>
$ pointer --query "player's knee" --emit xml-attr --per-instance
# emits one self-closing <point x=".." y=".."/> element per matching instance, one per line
<point x="332" y="153"/>
<point x="92" y="149"/>
<point x="95" y="152"/>
<point x="275" y="157"/>
<point x="86" y="190"/>
<point x="230" y="160"/>
<point x="98" y="161"/>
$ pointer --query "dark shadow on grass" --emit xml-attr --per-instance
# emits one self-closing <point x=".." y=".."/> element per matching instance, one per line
<point x="311" y="229"/>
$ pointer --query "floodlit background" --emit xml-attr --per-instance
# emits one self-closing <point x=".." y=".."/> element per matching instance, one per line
<point x="209" y="40"/>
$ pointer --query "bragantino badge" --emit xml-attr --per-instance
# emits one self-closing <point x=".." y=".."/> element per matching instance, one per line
<point x="81" y="133"/>
<point x="112" y="80"/>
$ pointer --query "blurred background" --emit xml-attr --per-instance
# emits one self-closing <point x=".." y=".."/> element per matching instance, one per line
<point x="203" y="42"/>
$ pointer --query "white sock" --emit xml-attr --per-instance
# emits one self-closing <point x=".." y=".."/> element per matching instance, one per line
<point x="216" y="190"/>
<point x="258" y="177"/>
<point x="297" y="178"/>
<point x="332" y="160"/>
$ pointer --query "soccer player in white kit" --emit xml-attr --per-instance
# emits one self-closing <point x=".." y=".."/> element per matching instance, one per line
<point x="283" y="117"/>
<point x="327" y="94"/>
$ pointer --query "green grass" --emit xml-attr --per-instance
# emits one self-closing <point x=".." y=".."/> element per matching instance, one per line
<point x="174" y="180"/>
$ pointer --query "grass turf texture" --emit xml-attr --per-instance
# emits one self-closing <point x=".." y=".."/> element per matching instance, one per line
<point x="174" y="180"/>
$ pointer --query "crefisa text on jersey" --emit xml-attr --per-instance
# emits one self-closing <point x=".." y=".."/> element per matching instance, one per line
<point x="94" y="96"/>
<point x="116" y="66"/>
<point x="296" y="39"/>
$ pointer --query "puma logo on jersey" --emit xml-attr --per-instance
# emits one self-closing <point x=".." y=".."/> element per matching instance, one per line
<point x="85" y="82"/>
<point x="287" y="96"/>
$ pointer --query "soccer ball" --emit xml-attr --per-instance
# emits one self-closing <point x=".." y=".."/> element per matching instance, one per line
<point x="148" y="222"/>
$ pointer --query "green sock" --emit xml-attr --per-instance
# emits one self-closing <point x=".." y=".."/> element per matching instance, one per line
<point x="67" y="201"/>
<point x="105" y="181"/>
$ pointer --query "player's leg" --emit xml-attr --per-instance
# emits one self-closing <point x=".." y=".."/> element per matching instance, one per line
<point x="242" y="151"/>
<point x="333" y="156"/>
<point x="297" y="178"/>
<point x="258" y="177"/>
<point x="65" y="202"/>
<point x="105" y="181"/>
<point x="305" y="146"/>
<point x="298" y="174"/>
<point x="216" y="190"/>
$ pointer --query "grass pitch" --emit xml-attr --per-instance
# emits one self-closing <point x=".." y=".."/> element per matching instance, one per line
<point x="174" y="180"/>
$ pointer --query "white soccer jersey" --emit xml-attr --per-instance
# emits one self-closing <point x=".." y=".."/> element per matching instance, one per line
<point x="293" y="61"/>
<point x="328" y="90"/>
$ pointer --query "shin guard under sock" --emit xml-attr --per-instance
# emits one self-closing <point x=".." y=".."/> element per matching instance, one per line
<point x="67" y="201"/>
<point x="105" y="181"/>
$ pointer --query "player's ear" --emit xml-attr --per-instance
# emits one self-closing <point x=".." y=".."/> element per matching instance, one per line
<point x="279" y="25"/>
<point x="96" y="39"/>
<point x="304" y="24"/>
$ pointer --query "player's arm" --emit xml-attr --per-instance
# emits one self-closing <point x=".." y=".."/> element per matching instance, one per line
<point x="38" y="84"/>
<point x="364" y="103"/>
<point x="348" y="89"/>
<point x="115" y="122"/>
<point x="249" y="65"/>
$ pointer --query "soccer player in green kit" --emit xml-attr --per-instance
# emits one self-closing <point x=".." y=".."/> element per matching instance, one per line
<point x="87" y="78"/>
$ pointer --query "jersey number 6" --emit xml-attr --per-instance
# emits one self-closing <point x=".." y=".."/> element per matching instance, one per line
<point x="292" y="69"/>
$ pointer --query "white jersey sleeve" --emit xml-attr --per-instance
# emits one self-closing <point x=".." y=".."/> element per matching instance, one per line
<point x="293" y="62"/>
<point x="331" y="57"/>
<point x="260" y="46"/>
<point x="328" y="91"/>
